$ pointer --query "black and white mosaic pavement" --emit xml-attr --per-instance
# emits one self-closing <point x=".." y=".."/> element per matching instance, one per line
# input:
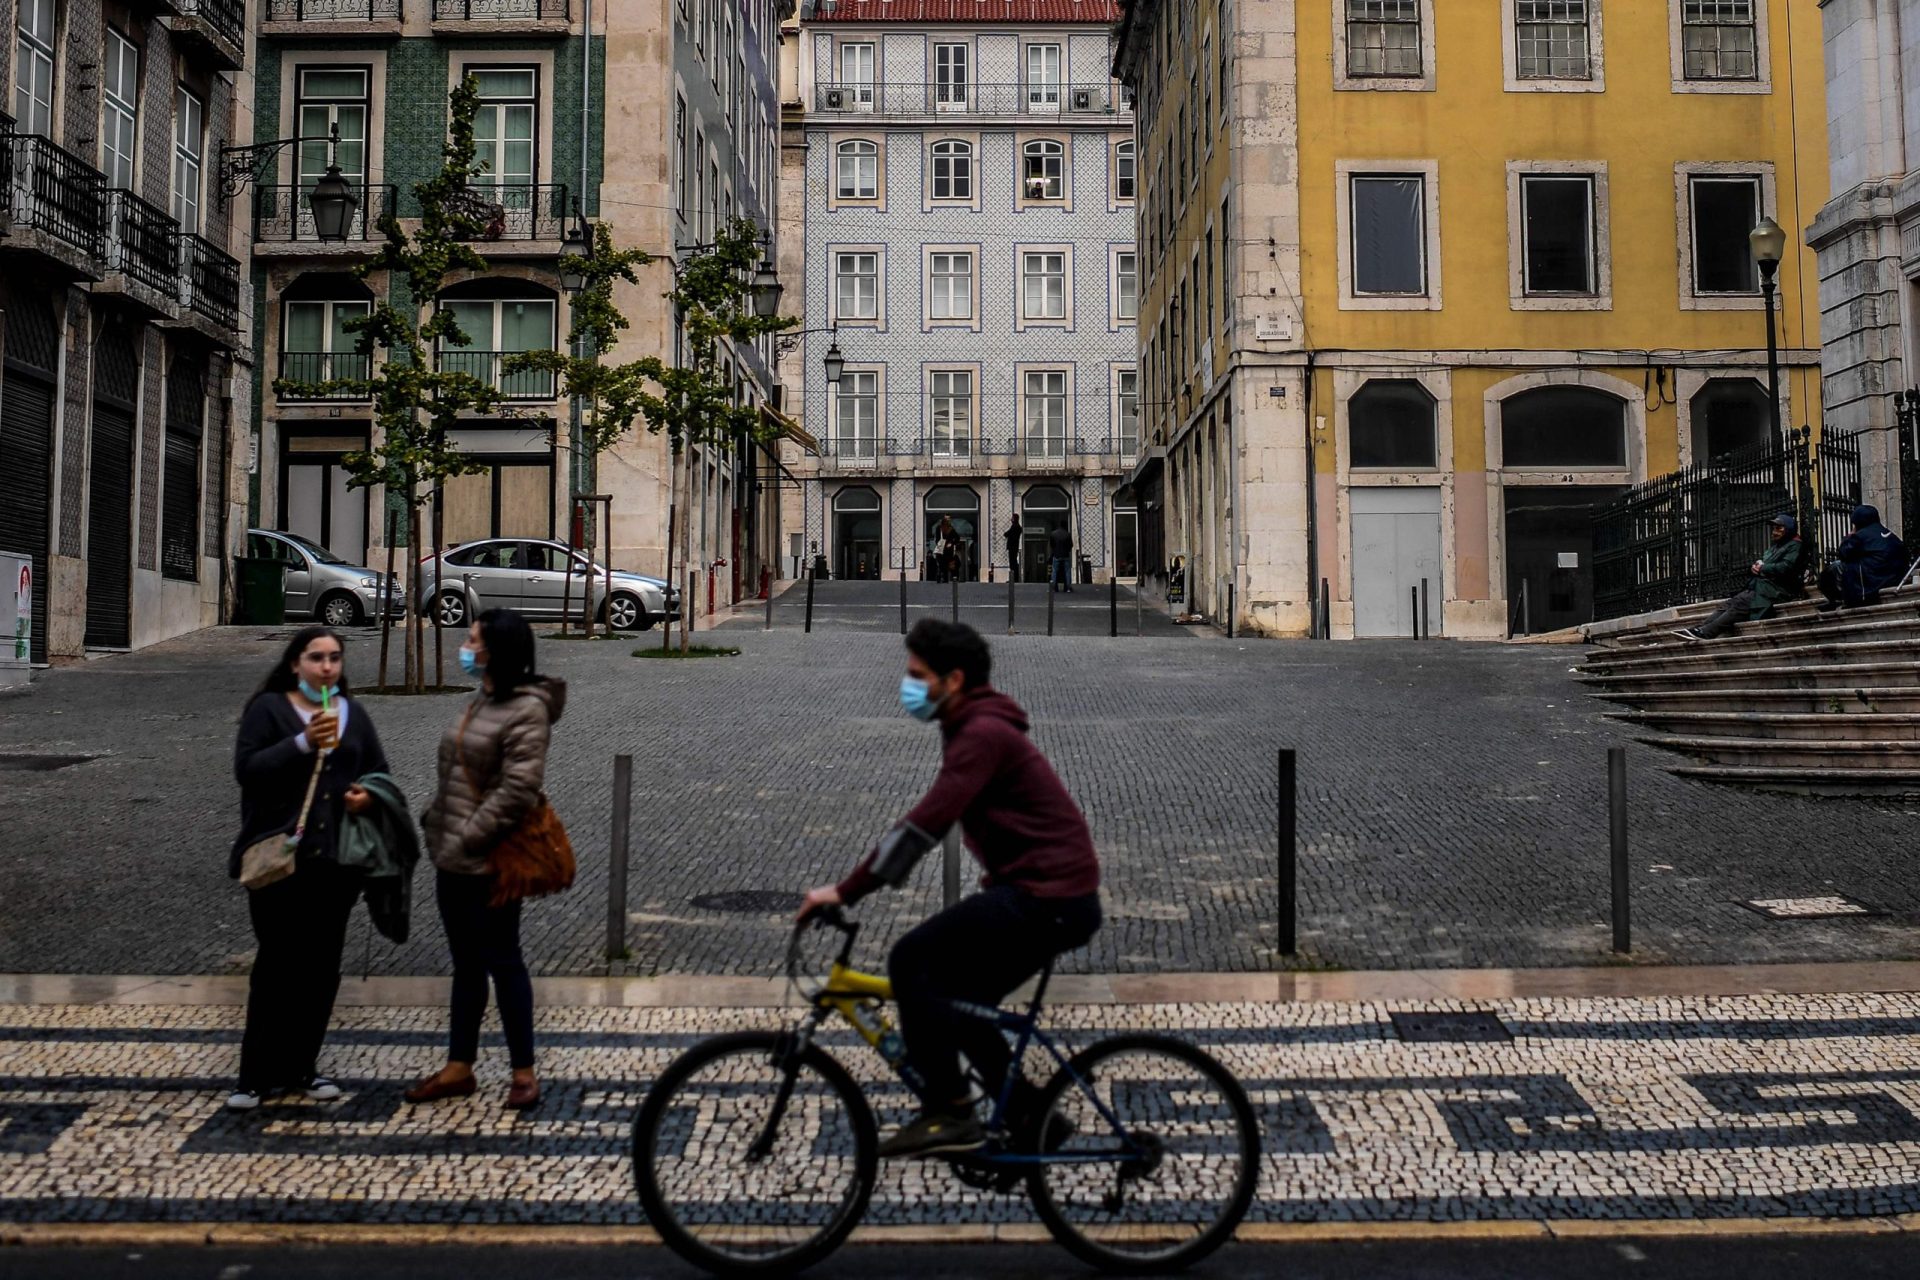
<point x="1768" y="1106"/>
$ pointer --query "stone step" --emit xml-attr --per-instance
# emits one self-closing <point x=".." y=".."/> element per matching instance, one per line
<point x="1778" y="726"/>
<point x="1834" y="675"/>
<point x="1889" y="622"/>
<point x="1809" y="782"/>
<point x="1859" y="701"/>
<point x="1762" y="753"/>
<point x="1793" y="612"/>
<point x="1706" y="656"/>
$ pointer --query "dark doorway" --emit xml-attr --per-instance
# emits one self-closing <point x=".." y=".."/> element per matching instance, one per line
<point x="26" y="444"/>
<point x="1549" y="546"/>
<point x="116" y="386"/>
<point x="960" y="505"/>
<point x="857" y="534"/>
<point x="1729" y="415"/>
<point x="1043" y="509"/>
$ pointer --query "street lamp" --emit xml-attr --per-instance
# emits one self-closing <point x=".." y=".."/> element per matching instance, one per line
<point x="766" y="289"/>
<point x="331" y="199"/>
<point x="578" y="244"/>
<point x="833" y="362"/>
<point x="333" y="202"/>
<point x="1769" y="244"/>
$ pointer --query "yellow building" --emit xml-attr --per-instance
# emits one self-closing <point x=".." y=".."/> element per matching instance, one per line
<point x="1514" y="280"/>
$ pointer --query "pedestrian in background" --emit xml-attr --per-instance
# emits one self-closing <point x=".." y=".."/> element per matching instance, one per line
<point x="1015" y="531"/>
<point x="493" y="763"/>
<point x="1060" y="542"/>
<point x="302" y="749"/>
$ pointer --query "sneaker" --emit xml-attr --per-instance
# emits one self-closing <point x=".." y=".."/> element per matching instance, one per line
<point x="1826" y="606"/>
<point x="1688" y="633"/>
<point x="321" y="1089"/>
<point x="243" y="1099"/>
<point x="935" y="1133"/>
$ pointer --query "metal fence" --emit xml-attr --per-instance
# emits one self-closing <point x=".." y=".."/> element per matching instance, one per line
<point x="1909" y="435"/>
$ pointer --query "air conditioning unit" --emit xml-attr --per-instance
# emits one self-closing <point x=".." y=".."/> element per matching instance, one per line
<point x="836" y="99"/>
<point x="1083" y="99"/>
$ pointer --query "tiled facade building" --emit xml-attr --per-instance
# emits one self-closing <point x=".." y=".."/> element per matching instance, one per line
<point x="125" y="390"/>
<point x="960" y="202"/>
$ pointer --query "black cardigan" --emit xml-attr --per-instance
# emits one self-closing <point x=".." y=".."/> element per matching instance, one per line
<point x="273" y="773"/>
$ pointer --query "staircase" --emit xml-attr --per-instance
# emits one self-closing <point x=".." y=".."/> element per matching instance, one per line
<point x="1807" y="702"/>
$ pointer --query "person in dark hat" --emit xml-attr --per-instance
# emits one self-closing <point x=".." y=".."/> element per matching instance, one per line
<point x="1870" y="561"/>
<point x="1777" y="576"/>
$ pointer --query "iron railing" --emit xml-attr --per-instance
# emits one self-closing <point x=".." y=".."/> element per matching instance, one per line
<point x="522" y="384"/>
<point x="55" y="191"/>
<point x="325" y="366"/>
<point x="517" y="211"/>
<point x="281" y="214"/>
<point x="1837" y="491"/>
<point x="209" y="281"/>
<point x="500" y="10"/>
<point x="333" y="10"/>
<point x="1907" y="406"/>
<point x="144" y="241"/>
<point x="228" y="18"/>
<point x="1101" y="98"/>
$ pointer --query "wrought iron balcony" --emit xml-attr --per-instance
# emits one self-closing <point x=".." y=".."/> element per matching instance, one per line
<point x="143" y="243"/>
<point x="518" y="211"/>
<point x="54" y="191"/>
<point x="324" y="366"/>
<point x="209" y="282"/>
<point x="334" y="11"/>
<point x="1100" y="98"/>
<point x="281" y="214"/>
<point x="218" y="25"/>
<point x="526" y="384"/>
<point x="501" y="10"/>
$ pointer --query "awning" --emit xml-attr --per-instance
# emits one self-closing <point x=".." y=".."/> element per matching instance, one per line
<point x="790" y="429"/>
<point x="1151" y="460"/>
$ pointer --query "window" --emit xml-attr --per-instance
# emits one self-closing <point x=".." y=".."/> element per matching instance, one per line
<point x="858" y="288"/>
<point x="120" y="111"/>
<point x="189" y="146"/>
<point x="331" y="97"/>
<point x="1389" y="234"/>
<point x="859" y="170"/>
<point x="680" y="184"/>
<point x="1383" y="38"/>
<point x="1719" y="40"/>
<point x="856" y="73"/>
<point x="1123" y="170"/>
<point x="1551" y="40"/>
<point x="1729" y="415"/>
<point x="495" y="329"/>
<point x="1045" y="406"/>
<point x="1045" y="286"/>
<point x="1045" y="175"/>
<point x="950" y="286"/>
<point x="1129" y="412"/>
<point x="1724" y="211"/>
<point x="1557" y="235"/>
<point x="503" y="132"/>
<point x="33" y="67"/>
<point x="315" y="345"/>
<point x="952" y="170"/>
<point x="1126" y="286"/>
<point x="180" y="480"/>
<point x="1390" y="426"/>
<point x="1043" y="77"/>
<point x="1573" y="427"/>
<point x="950" y="76"/>
<point x="950" y="411"/>
<point x="857" y="414"/>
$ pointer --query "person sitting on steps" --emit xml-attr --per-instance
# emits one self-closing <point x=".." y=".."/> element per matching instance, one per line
<point x="1870" y="561"/>
<point x="1777" y="576"/>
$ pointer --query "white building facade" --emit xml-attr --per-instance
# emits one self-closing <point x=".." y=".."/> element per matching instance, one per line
<point x="964" y="190"/>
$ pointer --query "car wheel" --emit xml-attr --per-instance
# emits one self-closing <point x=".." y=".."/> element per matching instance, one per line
<point x="623" y="612"/>
<point x="340" y="610"/>
<point x="453" y="609"/>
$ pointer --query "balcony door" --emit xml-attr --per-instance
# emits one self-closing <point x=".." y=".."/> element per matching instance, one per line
<point x="120" y="111"/>
<point x="35" y="31"/>
<point x="951" y="74"/>
<point x="331" y="98"/>
<point x="1043" y="77"/>
<point x="503" y="133"/>
<point x="494" y="329"/>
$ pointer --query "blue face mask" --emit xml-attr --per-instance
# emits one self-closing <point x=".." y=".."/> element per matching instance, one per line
<point x="471" y="664"/>
<point x="317" y="696"/>
<point x="914" y="700"/>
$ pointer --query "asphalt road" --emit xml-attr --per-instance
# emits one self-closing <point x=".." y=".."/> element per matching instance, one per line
<point x="1748" y="1258"/>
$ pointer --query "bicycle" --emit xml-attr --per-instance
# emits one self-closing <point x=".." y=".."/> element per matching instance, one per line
<point x="756" y="1152"/>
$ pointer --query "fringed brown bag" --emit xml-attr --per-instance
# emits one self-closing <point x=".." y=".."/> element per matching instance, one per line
<point x="536" y="858"/>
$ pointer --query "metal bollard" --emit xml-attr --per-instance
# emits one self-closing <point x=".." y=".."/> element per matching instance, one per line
<point x="809" y="625"/>
<point x="1113" y="606"/>
<point x="1426" y="612"/>
<point x="1012" y="580"/>
<point x="1230" y="610"/>
<point x="955" y="580"/>
<point x="693" y="591"/>
<point x="1139" y="608"/>
<point x="1617" y="830"/>
<point x="1326" y="610"/>
<point x="1414" y="592"/>
<point x="769" y="625"/>
<point x="1051" y="593"/>
<point x="1289" y="854"/>
<point x="903" y="600"/>
<point x="950" y="866"/>
<point x="617" y="858"/>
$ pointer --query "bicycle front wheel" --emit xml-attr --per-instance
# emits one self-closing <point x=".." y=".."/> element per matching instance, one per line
<point x="722" y="1206"/>
<point x="1154" y="1155"/>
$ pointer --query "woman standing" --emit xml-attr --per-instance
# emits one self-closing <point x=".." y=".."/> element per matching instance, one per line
<point x="492" y="764"/>
<point x="299" y="724"/>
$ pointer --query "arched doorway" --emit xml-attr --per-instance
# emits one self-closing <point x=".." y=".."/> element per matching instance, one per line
<point x="960" y="504"/>
<point x="1570" y="430"/>
<point x="1043" y="508"/>
<point x="1729" y="415"/>
<point x="856" y="533"/>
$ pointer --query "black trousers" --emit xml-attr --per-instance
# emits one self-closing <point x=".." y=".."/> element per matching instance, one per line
<point x="1847" y="584"/>
<point x="485" y="942"/>
<point x="977" y="950"/>
<point x="1738" y="608"/>
<point x="300" y="925"/>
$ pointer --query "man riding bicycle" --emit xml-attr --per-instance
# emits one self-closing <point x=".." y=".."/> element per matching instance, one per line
<point x="1039" y="896"/>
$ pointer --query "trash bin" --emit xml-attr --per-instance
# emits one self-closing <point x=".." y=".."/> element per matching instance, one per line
<point x="1086" y="570"/>
<point x="262" y="593"/>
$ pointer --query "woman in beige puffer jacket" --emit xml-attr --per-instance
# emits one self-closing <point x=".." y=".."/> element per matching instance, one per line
<point x="493" y="763"/>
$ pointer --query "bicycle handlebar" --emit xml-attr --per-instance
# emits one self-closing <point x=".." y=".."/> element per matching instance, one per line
<point x="825" y="918"/>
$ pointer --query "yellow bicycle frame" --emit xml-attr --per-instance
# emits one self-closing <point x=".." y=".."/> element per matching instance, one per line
<point x="847" y="988"/>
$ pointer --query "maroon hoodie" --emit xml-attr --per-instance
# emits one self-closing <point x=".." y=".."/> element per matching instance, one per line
<point x="1018" y="819"/>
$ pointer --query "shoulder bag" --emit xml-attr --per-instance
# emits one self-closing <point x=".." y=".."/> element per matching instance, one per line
<point x="536" y="858"/>
<point x="271" y="859"/>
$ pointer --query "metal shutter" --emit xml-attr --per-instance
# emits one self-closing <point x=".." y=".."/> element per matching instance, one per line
<point x="110" y="528"/>
<point x="26" y="482"/>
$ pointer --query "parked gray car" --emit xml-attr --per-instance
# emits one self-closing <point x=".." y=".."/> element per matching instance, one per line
<point x="320" y="584"/>
<point x="530" y="574"/>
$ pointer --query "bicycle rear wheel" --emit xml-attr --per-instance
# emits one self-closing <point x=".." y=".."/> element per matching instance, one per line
<point x="733" y="1215"/>
<point x="1192" y="1148"/>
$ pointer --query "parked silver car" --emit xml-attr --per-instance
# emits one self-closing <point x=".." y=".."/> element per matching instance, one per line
<point x="530" y="574"/>
<point x="321" y="585"/>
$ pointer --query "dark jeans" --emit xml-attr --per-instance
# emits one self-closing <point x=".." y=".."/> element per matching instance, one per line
<point x="977" y="950"/>
<point x="1063" y="572"/>
<point x="300" y="924"/>
<point x="1847" y="584"/>
<point x="1738" y="608"/>
<point x="485" y="942"/>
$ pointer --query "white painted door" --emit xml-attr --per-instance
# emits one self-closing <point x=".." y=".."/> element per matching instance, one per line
<point x="1396" y="545"/>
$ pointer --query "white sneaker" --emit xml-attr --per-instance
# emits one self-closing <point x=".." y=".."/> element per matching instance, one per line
<point x="242" y="1100"/>
<point x="321" y="1089"/>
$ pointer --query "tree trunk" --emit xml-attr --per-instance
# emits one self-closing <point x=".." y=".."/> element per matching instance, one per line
<point x="673" y="512"/>
<point x="386" y="611"/>
<point x="439" y="534"/>
<point x="416" y="657"/>
<point x="566" y="592"/>
<point x="686" y="549"/>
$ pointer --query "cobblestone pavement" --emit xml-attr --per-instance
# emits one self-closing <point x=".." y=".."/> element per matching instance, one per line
<point x="1452" y="807"/>
<point x="1753" y="1106"/>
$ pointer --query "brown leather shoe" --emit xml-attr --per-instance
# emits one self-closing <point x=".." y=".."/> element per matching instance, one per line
<point x="435" y="1087"/>
<point x="523" y="1095"/>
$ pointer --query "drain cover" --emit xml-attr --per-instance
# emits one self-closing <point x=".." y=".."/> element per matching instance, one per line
<point x="1826" y="907"/>
<point x="38" y="764"/>
<point x="1449" y="1028"/>
<point x="750" y="902"/>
